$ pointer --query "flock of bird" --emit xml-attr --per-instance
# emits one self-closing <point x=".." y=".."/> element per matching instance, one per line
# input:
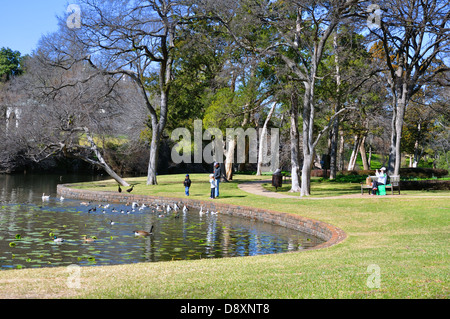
<point x="165" y="210"/>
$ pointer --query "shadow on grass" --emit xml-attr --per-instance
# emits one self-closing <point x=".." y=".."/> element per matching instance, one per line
<point x="231" y="196"/>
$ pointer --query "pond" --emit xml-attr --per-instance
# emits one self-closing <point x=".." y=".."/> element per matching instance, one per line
<point x="28" y="225"/>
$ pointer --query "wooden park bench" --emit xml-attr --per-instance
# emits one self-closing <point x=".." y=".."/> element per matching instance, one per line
<point x="394" y="182"/>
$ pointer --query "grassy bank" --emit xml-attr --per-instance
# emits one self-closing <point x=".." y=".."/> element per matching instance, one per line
<point x="405" y="237"/>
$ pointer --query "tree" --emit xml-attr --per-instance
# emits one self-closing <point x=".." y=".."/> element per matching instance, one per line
<point x="414" y="35"/>
<point x="262" y="140"/>
<point x="136" y="40"/>
<point x="236" y="108"/>
<point x="296" y="33"/>
<point x="71" y="120"/>
<point x="426" y="119"/>
<point x="354" y="83"/>
<point x="10" y="64"/>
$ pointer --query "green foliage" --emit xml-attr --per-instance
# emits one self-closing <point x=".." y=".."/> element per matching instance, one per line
<point x="195" y="69"/>
<point x="405" y="173"/>
<point x="10" y="64"/>
<point x="443" y="160"/>
<point x="219" y="112"/>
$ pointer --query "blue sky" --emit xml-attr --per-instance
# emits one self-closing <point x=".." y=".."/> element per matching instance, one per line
<point x="23" y="22"/>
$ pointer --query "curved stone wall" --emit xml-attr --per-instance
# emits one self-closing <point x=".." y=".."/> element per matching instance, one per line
<point x="329" y="233"/>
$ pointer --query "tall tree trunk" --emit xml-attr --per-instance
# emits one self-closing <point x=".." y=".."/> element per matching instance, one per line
<point x="417" y="152"/>
<point x="341" y="157"/>
<point x="306" y="175"/>
<point x="295" y="145"/>
<point x="263" y="140"/>
<point x="229" y="158"/>
<point x="101" y="161"/>
<point x="355" y="151"/>
<point x="153" y="159"/>
<point x="308" y="128"/>
<point x="362" y="151"/>
<point x="392" y="147"/>
<point x="334" y="148"/>
<point x="165" y="78"/>
<point x="335" y="128"/>
<point x="397" y="127"/>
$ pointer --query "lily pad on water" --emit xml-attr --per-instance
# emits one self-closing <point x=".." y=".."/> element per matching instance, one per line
<point x="172" y="240"/>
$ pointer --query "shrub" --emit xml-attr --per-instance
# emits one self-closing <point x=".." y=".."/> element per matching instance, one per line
<point x="419" y="172"/>
<point x="426" y="184"/>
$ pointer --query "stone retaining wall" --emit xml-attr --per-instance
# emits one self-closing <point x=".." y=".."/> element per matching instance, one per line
<point x="329" y="233"/>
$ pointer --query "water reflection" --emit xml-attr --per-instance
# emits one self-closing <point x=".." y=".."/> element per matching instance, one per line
<point x="27" y="227"/>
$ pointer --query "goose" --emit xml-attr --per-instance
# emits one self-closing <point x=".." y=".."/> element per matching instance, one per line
<point x="130" y="189"/>
<point x="111" y="222"/>
<point x="57" y="239"/>
<point x="143" y="232"/>
<point x="45" y="197"/>
<point x="119" y="189"/>
<point x="61" y="198"/>
<point x="213" y="213"/>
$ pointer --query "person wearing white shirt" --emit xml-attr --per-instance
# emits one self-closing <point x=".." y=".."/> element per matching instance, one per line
<point x="382" y="177"/>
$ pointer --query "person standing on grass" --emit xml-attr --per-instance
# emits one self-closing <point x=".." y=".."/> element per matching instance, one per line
<point x="187" y="184"/>
<point x="212" y="182"/>
<point x="217" y="174"/>
<point x="382" y="177"/>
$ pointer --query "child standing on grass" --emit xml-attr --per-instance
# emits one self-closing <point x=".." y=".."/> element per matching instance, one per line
<point x="212" y="181"/>
<point x="187" y="184"/>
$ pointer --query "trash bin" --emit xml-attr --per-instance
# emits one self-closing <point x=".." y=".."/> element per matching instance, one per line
<point x="381" y="190"/>
<point x="277" y="179"/>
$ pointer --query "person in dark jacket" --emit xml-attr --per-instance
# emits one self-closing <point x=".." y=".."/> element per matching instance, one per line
<point x="217" y="174"/>
<point x="187" y="184"/>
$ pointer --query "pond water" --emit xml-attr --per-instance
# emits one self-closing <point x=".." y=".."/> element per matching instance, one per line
<point x="28" y="225"/>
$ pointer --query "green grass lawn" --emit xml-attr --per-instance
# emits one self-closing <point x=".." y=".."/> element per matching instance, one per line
<point x="405" y="238"/>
